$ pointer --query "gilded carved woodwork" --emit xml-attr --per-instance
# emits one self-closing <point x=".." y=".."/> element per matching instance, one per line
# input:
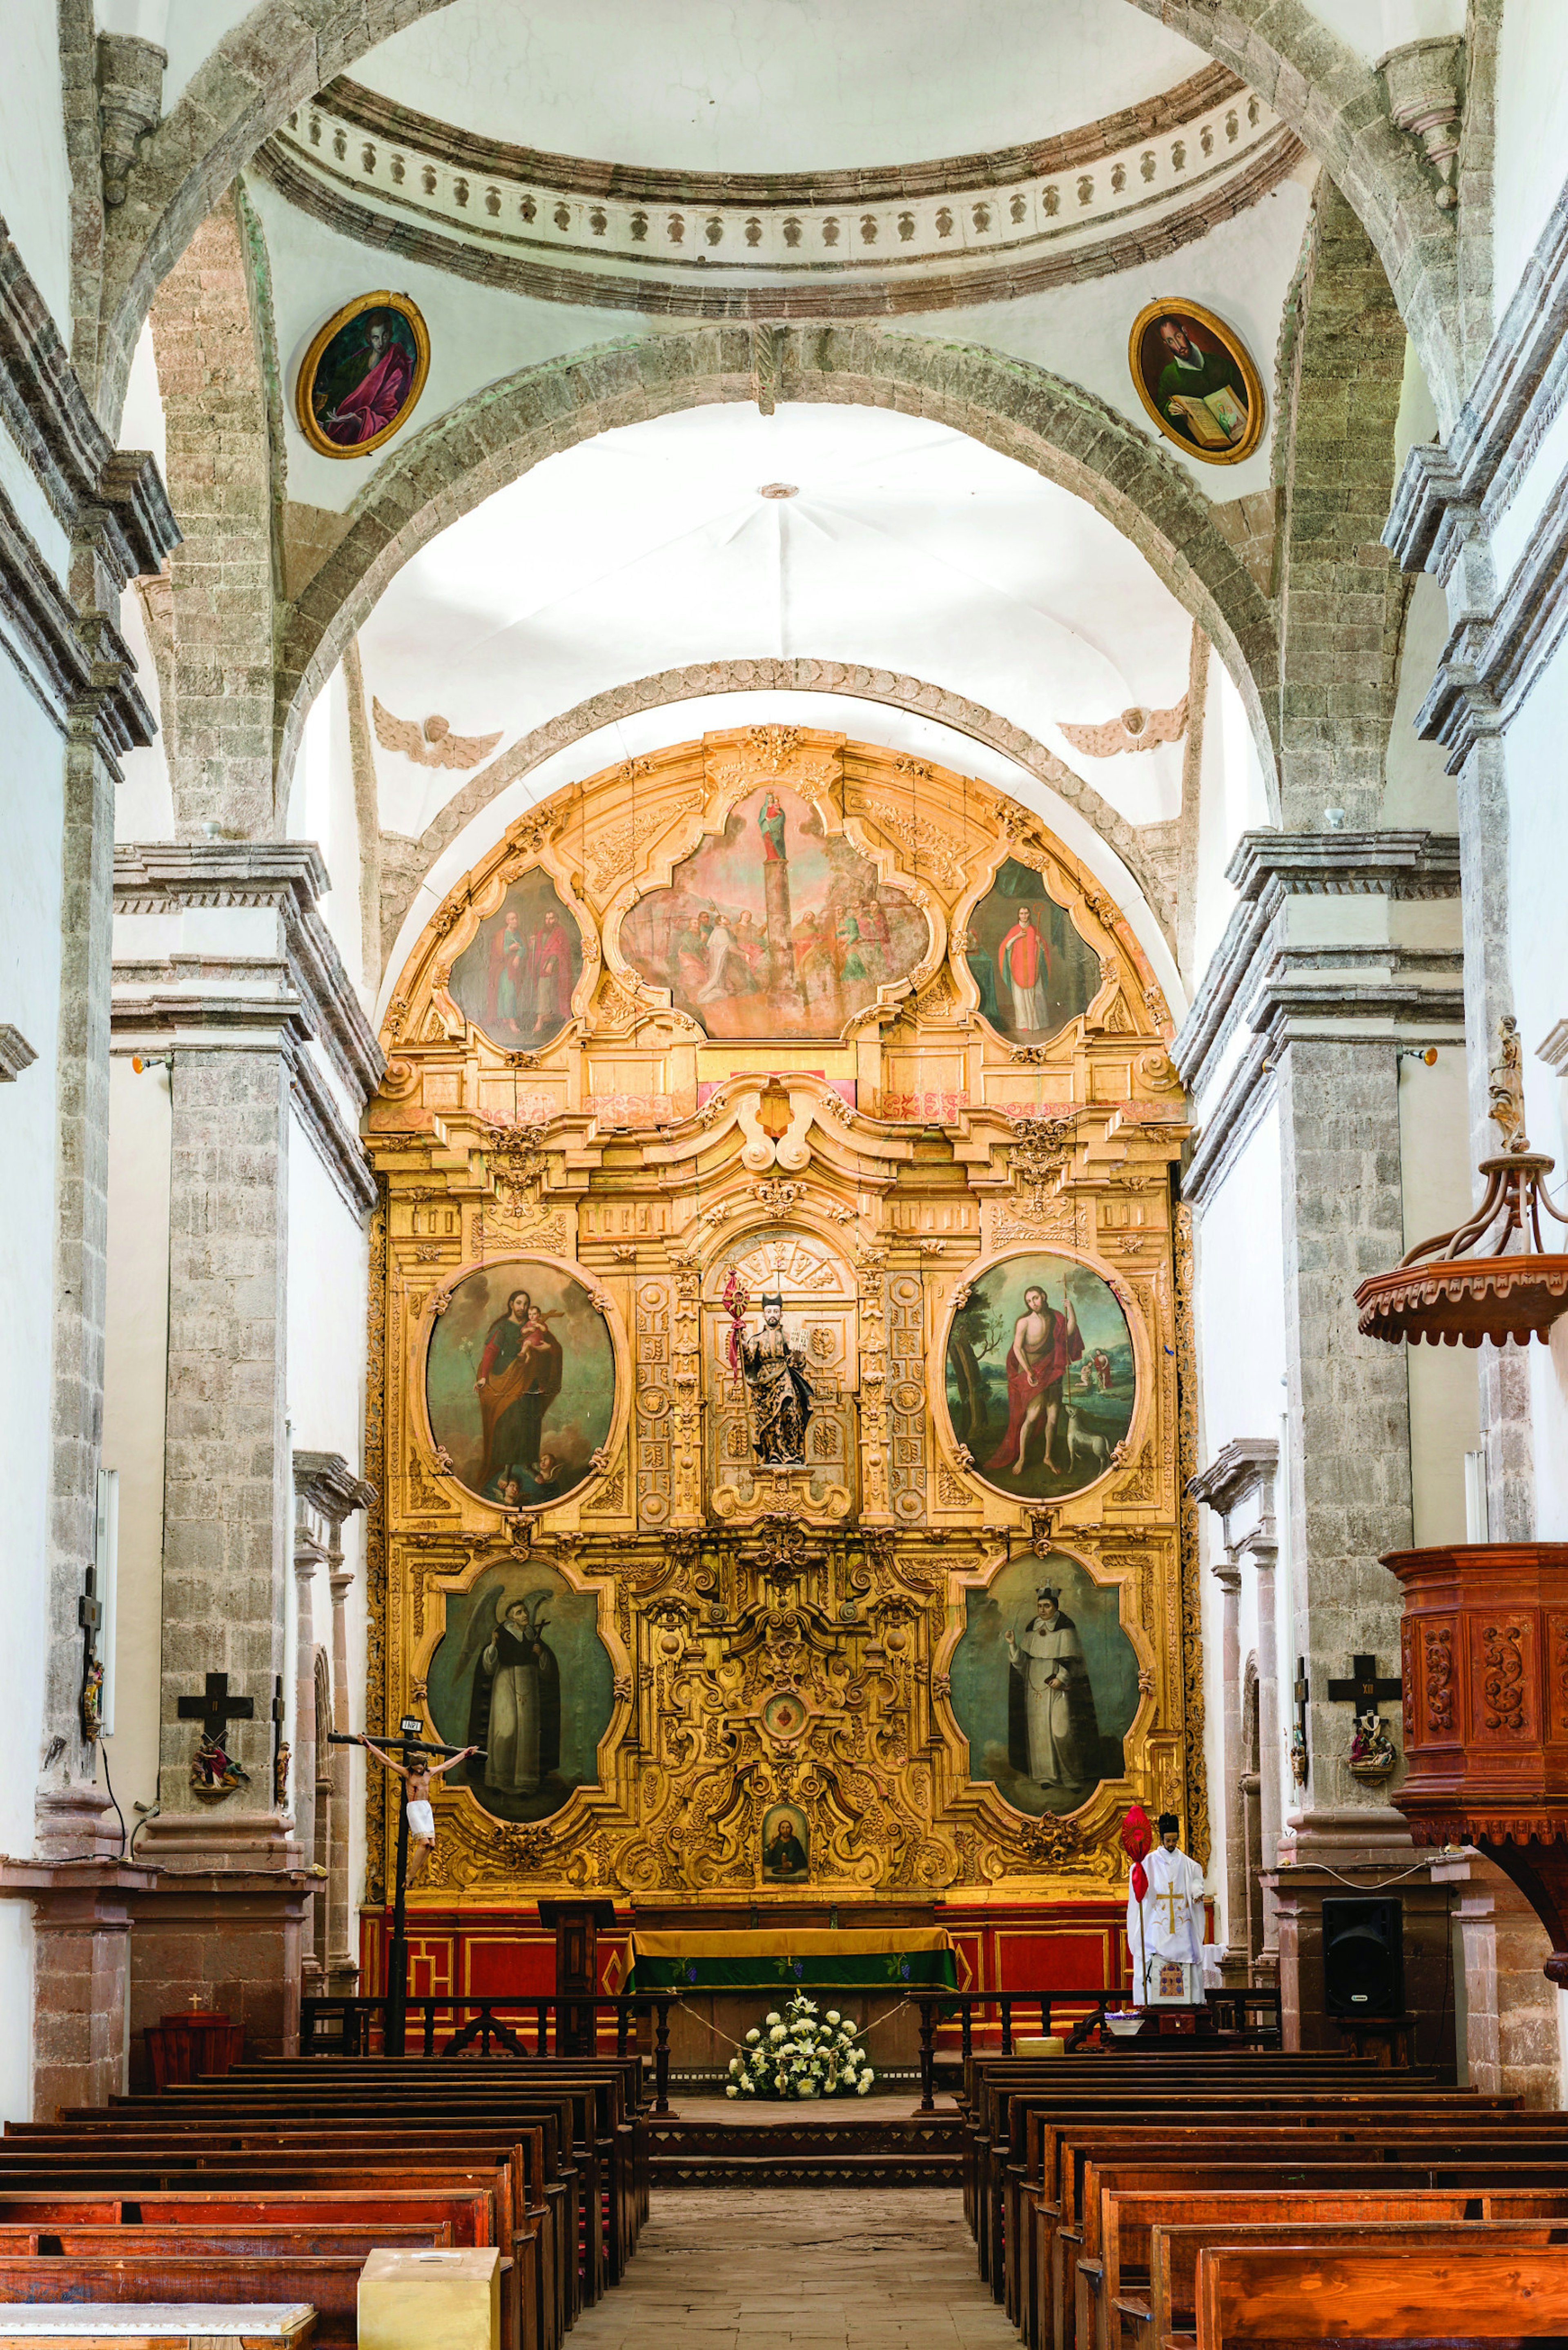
<point x="748" y="1633"/>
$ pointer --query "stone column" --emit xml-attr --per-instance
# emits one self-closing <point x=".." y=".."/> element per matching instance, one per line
<point x="342" y="1963"/>
<point x="1239" y="1486"/>
<point x="302" y="1757"/>
<point x="325" y="1492"/>
<point x="1235" y="1966"/>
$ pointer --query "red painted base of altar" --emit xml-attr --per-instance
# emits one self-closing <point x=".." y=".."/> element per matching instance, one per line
<point x="1004" y="1948"/>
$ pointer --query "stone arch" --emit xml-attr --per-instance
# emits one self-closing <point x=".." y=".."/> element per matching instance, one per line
<point x="1150" y="852"/>
<point x="1063" y="432"/>
<point x="283" y="51"/>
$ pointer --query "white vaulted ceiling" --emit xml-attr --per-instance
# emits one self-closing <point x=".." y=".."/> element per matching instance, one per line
<point x="908" y="547"/>
<point x="776" y="85"/>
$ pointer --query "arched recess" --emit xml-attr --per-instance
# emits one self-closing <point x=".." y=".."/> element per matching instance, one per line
<point x="285" y="49"/>
<point x="1150" y="852"/>
<point x="1060" y="430"/>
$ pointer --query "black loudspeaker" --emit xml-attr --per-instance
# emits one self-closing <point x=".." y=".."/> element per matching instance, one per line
<point x="1363" y="1955"/>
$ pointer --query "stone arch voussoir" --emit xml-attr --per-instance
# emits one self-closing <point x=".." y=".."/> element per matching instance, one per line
<point x="1149" y="852"/>
<point x="1062" y="433"/>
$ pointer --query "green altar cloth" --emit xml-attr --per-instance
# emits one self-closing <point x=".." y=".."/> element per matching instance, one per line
<point x="919" y="1958"/>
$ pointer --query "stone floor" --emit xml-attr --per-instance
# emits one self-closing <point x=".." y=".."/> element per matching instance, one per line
<point x="740" y="2268"/>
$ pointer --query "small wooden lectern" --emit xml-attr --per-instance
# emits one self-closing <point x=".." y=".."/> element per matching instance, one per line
<point x="577" y="1925"/>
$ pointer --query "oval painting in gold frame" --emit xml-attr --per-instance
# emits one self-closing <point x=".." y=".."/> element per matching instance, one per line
<point x="1195" y="376"/>
<point x="361" y="378"/>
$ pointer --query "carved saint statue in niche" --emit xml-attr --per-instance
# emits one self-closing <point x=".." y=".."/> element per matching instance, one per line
<point x="779" y="1391"/>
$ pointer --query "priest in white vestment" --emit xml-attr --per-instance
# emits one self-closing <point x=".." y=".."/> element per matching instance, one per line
<point x="1168" y="1923"/>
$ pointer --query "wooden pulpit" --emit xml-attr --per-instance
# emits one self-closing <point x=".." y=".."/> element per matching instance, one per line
<point x="576" y="1926"/>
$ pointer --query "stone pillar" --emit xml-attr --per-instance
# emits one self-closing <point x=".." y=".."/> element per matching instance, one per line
<point x="1235" y="1967"/>
<point x="302" y="1757"/>
<point x="342" y="1963"/>
<point x="325" y="1492"/>
<point x="1239" y="1486"/>
<point x="236" y="979"/>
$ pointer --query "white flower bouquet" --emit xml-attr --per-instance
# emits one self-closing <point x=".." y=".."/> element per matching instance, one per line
<point x="798" y="2055"/>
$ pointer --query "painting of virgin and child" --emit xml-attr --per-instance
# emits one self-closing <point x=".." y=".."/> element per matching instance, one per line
<point x="520" y="1383"/>
<point x="774" y="927"/>
<point x="514" y="981"/>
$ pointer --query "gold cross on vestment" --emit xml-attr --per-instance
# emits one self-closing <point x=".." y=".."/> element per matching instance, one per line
<point x="1175" y="1898"/>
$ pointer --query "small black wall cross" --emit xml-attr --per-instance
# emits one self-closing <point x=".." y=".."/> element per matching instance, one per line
<point x="1366" y="1687"/>
<point x="217" y="1708"/>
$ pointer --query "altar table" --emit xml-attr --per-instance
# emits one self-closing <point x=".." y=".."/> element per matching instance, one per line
<point x="909" y="1957"/>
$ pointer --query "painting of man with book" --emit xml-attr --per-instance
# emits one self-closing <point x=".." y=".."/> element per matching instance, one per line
<point x="1197" y="381"/>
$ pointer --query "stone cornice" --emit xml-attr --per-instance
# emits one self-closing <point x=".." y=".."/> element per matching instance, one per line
<point x="16" y="1053"/>
<point x="1492" y="660"/>
<point x="326" y="1483"/>
<point x="51" y="419"/>
<point x="335" y="1142"/>
<point x="77" y="668"/>
<point x="288" y="876"/>
<point x="1236" y="1471"/>
<point x="968" y="229"/>
<point x="1268" y="868"/>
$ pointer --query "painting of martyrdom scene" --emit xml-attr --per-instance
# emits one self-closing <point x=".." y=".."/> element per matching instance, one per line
<point x="1033" y="972"/>
<point x="774" y="927"/>
<point x="515" y="980"/>
<point x="520" y="1383"/>
<point x="1197" y="380"/>
<point x="522" y="1675"/>
<point x="1041" y="1380"/>
<point x="362" y="375"/>
<point x="1045" y="1684"/>
<point x="786" y="1844"/>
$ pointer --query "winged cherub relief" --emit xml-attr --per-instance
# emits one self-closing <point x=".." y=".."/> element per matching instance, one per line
<point x="430" y="743"/>
<point x="1134" y="730"/>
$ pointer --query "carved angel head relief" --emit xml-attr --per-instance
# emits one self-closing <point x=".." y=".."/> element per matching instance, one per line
<point x="775" y="928"/>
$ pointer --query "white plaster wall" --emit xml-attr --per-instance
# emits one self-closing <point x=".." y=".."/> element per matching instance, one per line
<point x="17" y="1955"/>
<point x="144" y="801"/>
<point x="321" y="808"/>
<point x="1532" y="117"/>
<point x="1231" y="800"/>
<point x="136" y="1368"/>
<point x="1372" y="28"/>
<point x="31" y="764"/>
<point x="1538" y="858"/>
<point x="328" y="1277"/>
<point x="1445" y="1390"/>
<point x="1417" y="789"/>
<point x="35" y="177"/>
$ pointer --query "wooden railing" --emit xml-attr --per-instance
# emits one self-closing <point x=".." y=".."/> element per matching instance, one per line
<point x="565" y="2027"/>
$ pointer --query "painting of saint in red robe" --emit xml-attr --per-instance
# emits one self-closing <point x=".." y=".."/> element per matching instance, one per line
<point x="1015" y="1398"/>
<point x="516" y="980"/>
<point x="1033" y="971"/>
<point x="362" y="376"/>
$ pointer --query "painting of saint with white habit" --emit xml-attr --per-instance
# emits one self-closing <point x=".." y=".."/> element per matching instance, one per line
<point x="514" y="1713"/>
<point x="1054" y="1736"/>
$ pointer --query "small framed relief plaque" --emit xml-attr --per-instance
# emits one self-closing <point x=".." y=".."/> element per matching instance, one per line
<point x="1196" y="378"/>
<point x="362" y="375"/>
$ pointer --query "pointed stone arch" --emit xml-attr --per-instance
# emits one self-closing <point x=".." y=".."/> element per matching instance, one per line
<point x="1065" y="434"/>
<point x="284" y="50"/>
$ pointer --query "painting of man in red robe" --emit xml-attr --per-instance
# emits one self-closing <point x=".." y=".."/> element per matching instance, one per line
<point x="518" y="1378"/>
<point x="1044" y="1343"/>
<point x="365" y="379"/>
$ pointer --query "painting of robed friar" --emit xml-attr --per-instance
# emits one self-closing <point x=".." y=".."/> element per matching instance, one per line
<point x="775" y="928"/>
<point x="362" y="374"/>
<point x="522" y="1675"/>
<point x="1045" y="1684"/>
<point x="520" y="1382"/>
<point x="787" y="1842"/>
<point x="1040" y="1375"/>
<point x="515" y="978"/>
<point x="1033" y="972"/>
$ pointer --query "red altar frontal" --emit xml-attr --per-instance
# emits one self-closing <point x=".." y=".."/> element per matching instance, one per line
<point x="1001" y="1949"/>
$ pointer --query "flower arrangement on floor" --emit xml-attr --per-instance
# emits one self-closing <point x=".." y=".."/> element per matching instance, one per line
<point x="793" y="2055"/>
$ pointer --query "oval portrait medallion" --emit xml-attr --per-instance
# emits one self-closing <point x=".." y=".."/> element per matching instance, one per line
<point x="364" y="372"/>
<point x="1196" y="378"/>
<point x="1041" y="1378"/>
<point x="520" y="1382"/>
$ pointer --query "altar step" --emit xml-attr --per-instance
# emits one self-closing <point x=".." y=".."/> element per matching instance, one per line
<point x="818" y="2151"/>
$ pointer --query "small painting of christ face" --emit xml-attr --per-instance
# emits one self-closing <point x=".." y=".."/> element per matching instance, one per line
<point x="786" y="1842"/>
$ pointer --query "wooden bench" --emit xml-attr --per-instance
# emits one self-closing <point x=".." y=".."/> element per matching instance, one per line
<point x="328" y="2283"/>
<point x="1293" y="2293"/>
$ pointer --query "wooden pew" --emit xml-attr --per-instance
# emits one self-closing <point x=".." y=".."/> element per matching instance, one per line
<point x="328" y="2283"/>
<point x="1171" y="2305"/>
<point x="1299" y="2293"/>
<point x="195" y="2326"/>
